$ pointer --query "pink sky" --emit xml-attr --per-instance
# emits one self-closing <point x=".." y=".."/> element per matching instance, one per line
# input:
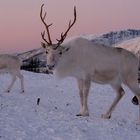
<point x="20" y="25"/>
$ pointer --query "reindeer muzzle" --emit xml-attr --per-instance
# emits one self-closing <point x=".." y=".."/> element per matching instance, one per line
<point x="50" y="67"/>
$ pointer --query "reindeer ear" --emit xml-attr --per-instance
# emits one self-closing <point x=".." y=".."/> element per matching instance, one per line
<point x="43" y="45"/>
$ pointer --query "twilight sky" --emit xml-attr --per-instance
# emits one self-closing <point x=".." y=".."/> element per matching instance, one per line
<point x="20" y="24"/>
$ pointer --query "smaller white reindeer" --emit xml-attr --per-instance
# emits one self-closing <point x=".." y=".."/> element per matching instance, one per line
<point x="11" y="64"/>
<point x="92" y="62"/>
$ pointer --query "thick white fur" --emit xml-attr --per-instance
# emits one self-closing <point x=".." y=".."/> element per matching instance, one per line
<point x="11" y="64"/>
<point x="92" y="62"/>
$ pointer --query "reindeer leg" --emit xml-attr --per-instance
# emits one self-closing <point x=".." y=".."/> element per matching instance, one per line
<point x="134" y="87"/>
<point x="20" y="76"/>
<point x="120" y="92"/>
<point x="138" y="97"/>
<point x="12" y="83"/>
<point x="85" y="86"/>
<point x="80" y="86"/>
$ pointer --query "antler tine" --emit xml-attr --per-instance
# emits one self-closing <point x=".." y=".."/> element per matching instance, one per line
<point x="43" y="37"/>
<point x="49" y="42"/>
<point x="44" y="16"/>
<point x="63" y="36"/>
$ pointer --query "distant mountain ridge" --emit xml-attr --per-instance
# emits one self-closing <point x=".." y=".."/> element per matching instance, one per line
<point x="132" y="45"/>
<point x="115" y="37"/>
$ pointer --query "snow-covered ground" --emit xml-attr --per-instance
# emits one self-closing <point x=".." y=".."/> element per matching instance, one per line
<point x="54" y="118"/>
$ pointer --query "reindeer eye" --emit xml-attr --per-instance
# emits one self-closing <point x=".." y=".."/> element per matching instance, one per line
<point x="46" y="52"/>
<point x="60" y="53"/>
<point x="67" y="49"/>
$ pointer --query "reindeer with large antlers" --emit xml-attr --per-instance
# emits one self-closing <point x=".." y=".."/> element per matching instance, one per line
<point x="91" y="62"/>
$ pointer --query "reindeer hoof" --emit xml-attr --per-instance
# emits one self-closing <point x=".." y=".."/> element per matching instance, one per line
<point x="78" y="115"/>
<point x="135" y="100"/>
<point x="7" y="91"/>
<point x="22" y="91"/>
<point x="84" y="115"/>
<point x="106" y="116"/>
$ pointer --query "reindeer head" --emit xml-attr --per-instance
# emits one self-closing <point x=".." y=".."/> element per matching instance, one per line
<point x="54" y="51"/>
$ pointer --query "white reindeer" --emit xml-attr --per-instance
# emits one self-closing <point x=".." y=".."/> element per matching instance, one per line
<point x="92" y="62"/>
<point x="11" y="64"/>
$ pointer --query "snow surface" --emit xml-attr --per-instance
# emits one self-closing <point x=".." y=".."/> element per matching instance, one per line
<point x="54" y="119"/>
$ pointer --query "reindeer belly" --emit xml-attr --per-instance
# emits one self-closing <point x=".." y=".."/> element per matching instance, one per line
<point x="104" y="76"/>
<point x="3" y="66"/>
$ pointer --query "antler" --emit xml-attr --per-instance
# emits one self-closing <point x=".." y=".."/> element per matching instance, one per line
<point x="49" y="42"/>
<point x="63" y="36"/>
